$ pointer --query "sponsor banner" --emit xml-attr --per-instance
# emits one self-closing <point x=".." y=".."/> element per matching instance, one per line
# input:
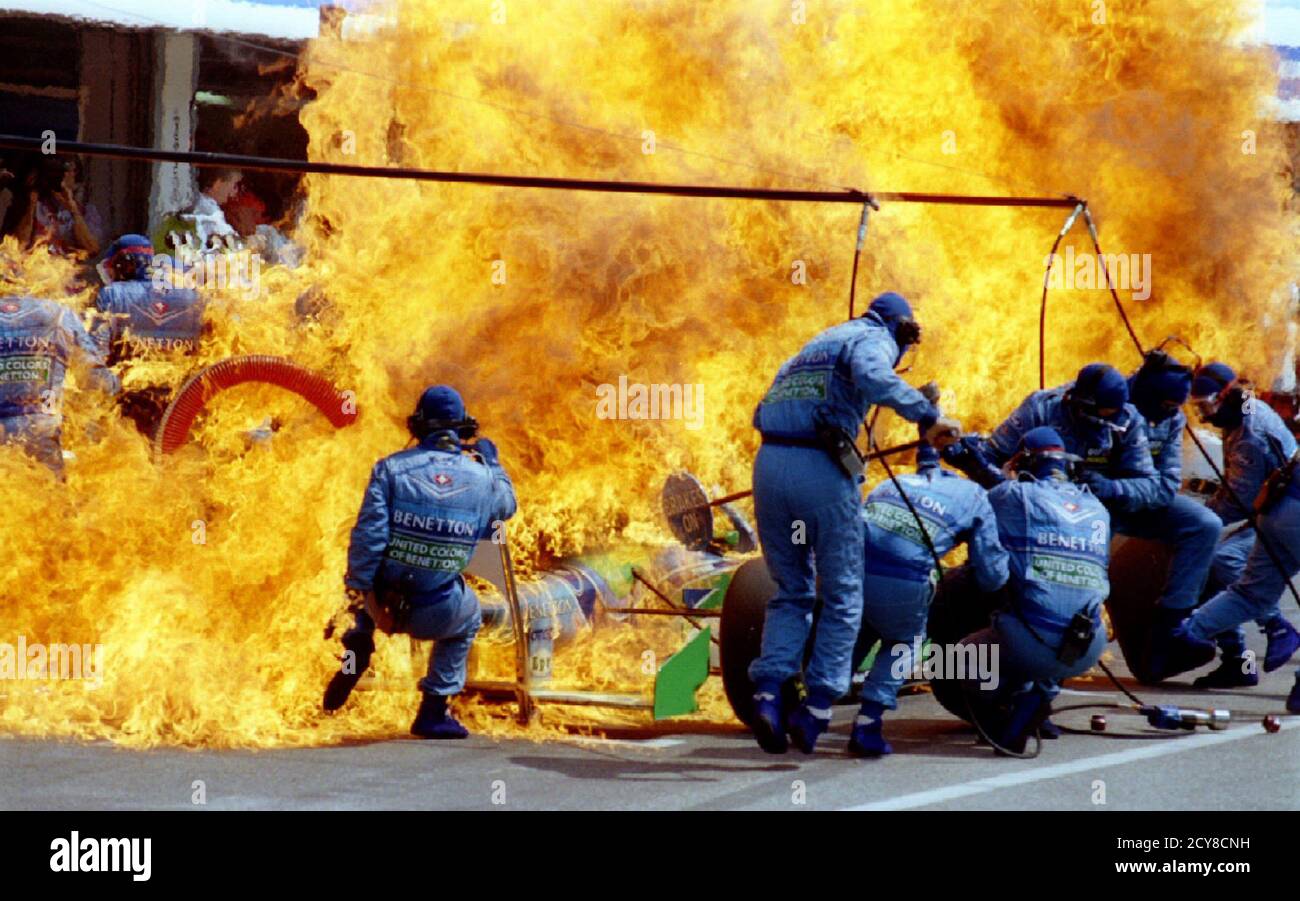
<point x="799" y="386"/>
<point x="416" y="551"/>
<point x="1068" y="571"/>
<point x="25" y="368"/>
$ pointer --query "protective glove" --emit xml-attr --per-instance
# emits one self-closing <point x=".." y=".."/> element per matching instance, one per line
<point x="961" y="452"/>
<point x="1102" y="488"/>
<point x="943" y="432"/>
<point x="966" y="455"/>
<point x="488" y="451"/>
<point x="930" y="391"/>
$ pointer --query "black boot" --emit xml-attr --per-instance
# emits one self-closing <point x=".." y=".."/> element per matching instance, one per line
<point x="362" y="645"/>
<point x="433" y="721"/>
<point x="1233" y="672"/>
<point x="1171" y="652"/>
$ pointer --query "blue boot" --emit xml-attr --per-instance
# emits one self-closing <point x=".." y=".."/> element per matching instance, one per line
<point x="1293" y="699"/>
<point x="1233" y="672"/>
<point x="433" y="721"/>
<point x="1283" y="641"/>
<point x="866" y="740"/>
<point x="1170" y="650"/>
<point x="1028" y="710"/>
<point x="809" y="720"/>
<point x="769" y="718"/>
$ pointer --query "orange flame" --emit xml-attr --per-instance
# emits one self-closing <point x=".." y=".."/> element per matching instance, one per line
<point x="207" y="580"/>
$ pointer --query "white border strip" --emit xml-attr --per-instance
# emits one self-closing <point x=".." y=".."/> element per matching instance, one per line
<point x="286" y="22"/>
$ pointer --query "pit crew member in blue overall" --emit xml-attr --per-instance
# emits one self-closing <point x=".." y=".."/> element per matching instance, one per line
<point x="39" y="340"/>
<point x="425" y="509"/>
<point x="1158" y="389"/>
<point x="1058" y="537"/>
<point x="1097" y="423"/>
<point x="1256" y="446"/>
<point x="900" y="574"/>
<point x="142" y="317"/>
<point x="808" y="503"/>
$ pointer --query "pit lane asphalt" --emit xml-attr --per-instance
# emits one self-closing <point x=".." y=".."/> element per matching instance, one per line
<point x="937" y="765"/>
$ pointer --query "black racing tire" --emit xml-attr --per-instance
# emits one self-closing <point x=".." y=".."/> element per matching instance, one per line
<point x="1137" y="576"/>
<point x="741" y="632"/>
<point x="959" y="609"/>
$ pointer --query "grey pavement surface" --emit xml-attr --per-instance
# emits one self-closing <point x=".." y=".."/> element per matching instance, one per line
<point x="937" y="765"/>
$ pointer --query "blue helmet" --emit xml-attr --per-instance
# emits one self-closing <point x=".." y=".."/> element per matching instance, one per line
<point x="1160" y="387"/>
<point x="896" y="313"/>
<point x="1043" y="454"/>
<point x="1218" y="395"/>
<point x="1212" y="379"/>
<point x="891" y="306"/>
<point x="441" y="409"/>
<point x="129" y="258"/>
<point x="1096" y="399"/>
<point x="1100" y="386"/>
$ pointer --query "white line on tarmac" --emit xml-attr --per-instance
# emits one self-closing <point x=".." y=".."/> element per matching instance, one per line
<point x="1089" y="694"/>
<point x="627" y="742"/>
<point x="1087" y="764"/>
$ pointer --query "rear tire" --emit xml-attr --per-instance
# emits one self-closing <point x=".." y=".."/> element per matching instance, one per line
<point x="1137" y="576"/>
<point x="959" y="609"/>
<point x="741" y="632"/>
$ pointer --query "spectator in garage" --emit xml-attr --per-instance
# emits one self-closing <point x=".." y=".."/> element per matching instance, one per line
<point x="50" y="209"/>
<point x="6" y="189"/>
<point x="216" y="189"/>
<point x="245" y="211"/>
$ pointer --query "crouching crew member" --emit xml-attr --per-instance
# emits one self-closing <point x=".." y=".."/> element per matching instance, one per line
<point x="39" y="340"/>
<point x="900" y="574"/>
<point x="1259" y="453"/>
<point x="1097" y="423"/>
<point x="141" y="319"/>
<point x="1159" y="389"/>
<point x="423" y="513"/>
<point x="1058" y="536"/>
<point x="808" y="503"/>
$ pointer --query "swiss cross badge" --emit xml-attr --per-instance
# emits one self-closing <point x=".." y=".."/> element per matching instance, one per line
<point x="160" y="307"/>
<point x="442" y="480"/>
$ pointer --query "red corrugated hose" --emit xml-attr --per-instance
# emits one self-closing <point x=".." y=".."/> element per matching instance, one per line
<point x="174" y="429"/>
